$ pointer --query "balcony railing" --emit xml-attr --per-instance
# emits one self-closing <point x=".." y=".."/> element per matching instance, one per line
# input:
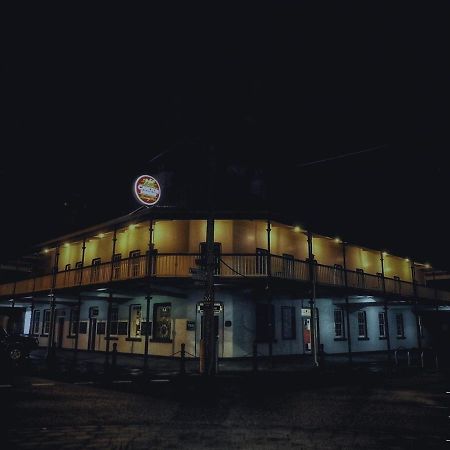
<point x="179" y="265"/>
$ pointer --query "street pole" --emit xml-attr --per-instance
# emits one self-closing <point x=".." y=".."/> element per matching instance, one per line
<point x="80" y="283"/>
<point x="208" y="312"/>
<point x="312" y="302"/>
<point x="148" y="296"/>
<point x="386" y="318"/>
<point x="269" y="294"/>
<point x="347" y="303"/>
<point x="108" y="323"/>
<point x="51" y="331"/>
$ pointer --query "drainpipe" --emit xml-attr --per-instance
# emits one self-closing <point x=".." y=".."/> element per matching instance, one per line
<point x="108" y="320"/>
<point x="80" y="283"/>
<point x="148" y="297"/>
<point x="388" y="341"/>
<point x="347" y="303"/>
<point x="312" y="302"/>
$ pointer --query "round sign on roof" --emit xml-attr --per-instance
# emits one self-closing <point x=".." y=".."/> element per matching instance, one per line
<point x="147" y="190"/>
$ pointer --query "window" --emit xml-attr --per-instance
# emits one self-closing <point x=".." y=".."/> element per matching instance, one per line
<point x="95" y="269"/>
<point x="360" y="278"/>
<point x="362" y="325"/>
<point x="339" y="326"/>
<point x="46" y="322"/>
<point x="400" y="325"/>
<point x="36" y="319"/>
<point x="135" y="321"/>
<point x="116" y="265"/>
<point x="162" y="321"/>
<point x="134" y="263"/>
<point x="339" y="275"/>
<point x="288" y="330"/>
<point x="74" y="318"/>
<point x="114" y="321"/>
<point x="288" y="266"/>
<point x="382" y="325"/>
<point x="265" y="329"/>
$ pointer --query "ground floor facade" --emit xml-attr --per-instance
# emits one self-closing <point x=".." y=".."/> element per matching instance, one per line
<point x="243" y="316"/>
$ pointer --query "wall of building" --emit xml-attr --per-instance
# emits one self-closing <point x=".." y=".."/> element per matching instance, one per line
<point x="238" y="312"/>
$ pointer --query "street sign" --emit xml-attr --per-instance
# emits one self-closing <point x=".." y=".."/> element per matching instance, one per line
<point x="147" y="190"/>
<point x="306" y="312"/>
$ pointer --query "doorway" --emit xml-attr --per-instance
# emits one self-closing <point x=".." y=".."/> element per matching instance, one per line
<point x="218" y="327"/>
<point x="60" y="336"/>
<point x="93" y="314"/>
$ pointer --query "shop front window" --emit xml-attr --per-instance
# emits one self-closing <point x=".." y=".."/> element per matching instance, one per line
<point x="162" y="321"/>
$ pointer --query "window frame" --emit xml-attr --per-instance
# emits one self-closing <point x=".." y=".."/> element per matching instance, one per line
<point x="36" y="321"/>
<point x="382" y="325"/>
<point x="44" y="322"/>
<point x="342" y="336"/>
<point x="130" y="309"/>
<point x="362" y="323"/>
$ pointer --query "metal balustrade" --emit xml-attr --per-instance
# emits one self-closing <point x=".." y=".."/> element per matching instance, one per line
<point x="228" y="266"/>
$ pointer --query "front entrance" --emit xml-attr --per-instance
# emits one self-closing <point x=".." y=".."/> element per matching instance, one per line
<point x="60" y="332"/>
<point x="93" y="314"/>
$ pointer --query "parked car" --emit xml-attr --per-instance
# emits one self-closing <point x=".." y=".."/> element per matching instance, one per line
<point x="16" y="347"/>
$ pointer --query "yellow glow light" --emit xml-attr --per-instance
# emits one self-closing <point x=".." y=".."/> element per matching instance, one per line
<point x="385" y="254"/>
<point x="66" y="244"/>
<point x="46" y="250"/>
<point x="407" y="259"/>
<point x="337" y="240"/>
<point x="132" y="226"/>
<point x="297" y="229"/>
<point x="101" y="235"/>
<point x="427" y="266"/>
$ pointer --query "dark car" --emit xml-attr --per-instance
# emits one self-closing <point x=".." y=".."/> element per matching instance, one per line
<point x="16" y="347"/>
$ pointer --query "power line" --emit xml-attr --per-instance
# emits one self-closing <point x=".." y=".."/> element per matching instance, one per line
<point x="345" y="155"/>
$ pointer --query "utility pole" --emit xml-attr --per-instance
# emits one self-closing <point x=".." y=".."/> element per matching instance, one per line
<point x="110" y="297"/>
<point x="209" y="332"/>
<point x="78" y="313"/>
<point x="148" y="296"/>
<point x="347" y="303"/>
<point x="51" y="333"/>
<point x="386" y="318"/>
<point x="312" y="302"/>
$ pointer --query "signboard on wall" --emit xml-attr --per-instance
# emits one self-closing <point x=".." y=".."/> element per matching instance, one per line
<point x="147" y="190"/>
<point x="306" y="312"/>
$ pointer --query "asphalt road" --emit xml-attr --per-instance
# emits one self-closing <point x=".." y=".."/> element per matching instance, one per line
<point x="264" y="411"/>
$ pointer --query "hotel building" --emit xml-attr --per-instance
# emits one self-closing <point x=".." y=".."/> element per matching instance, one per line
<point x="143" y="273"/>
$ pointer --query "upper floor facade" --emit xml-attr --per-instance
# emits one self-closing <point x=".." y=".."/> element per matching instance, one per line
<point x="244" y="248"/>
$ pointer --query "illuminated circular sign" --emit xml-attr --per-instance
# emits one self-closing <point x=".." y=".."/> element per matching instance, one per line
<point x="147" y="190"/>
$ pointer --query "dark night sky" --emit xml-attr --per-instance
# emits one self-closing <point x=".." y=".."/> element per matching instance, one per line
<point x="89" y="97"/>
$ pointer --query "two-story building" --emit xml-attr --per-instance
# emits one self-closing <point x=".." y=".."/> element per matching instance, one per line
<point x="144" y="273"/>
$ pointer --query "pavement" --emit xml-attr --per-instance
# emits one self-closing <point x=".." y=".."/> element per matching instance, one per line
<point x="326" y="408"/>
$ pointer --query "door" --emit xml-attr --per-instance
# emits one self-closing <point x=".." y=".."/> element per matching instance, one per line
<point x="60" y="332"/>
<point x="218" y="327"/>
<point x="92" y="334"/>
